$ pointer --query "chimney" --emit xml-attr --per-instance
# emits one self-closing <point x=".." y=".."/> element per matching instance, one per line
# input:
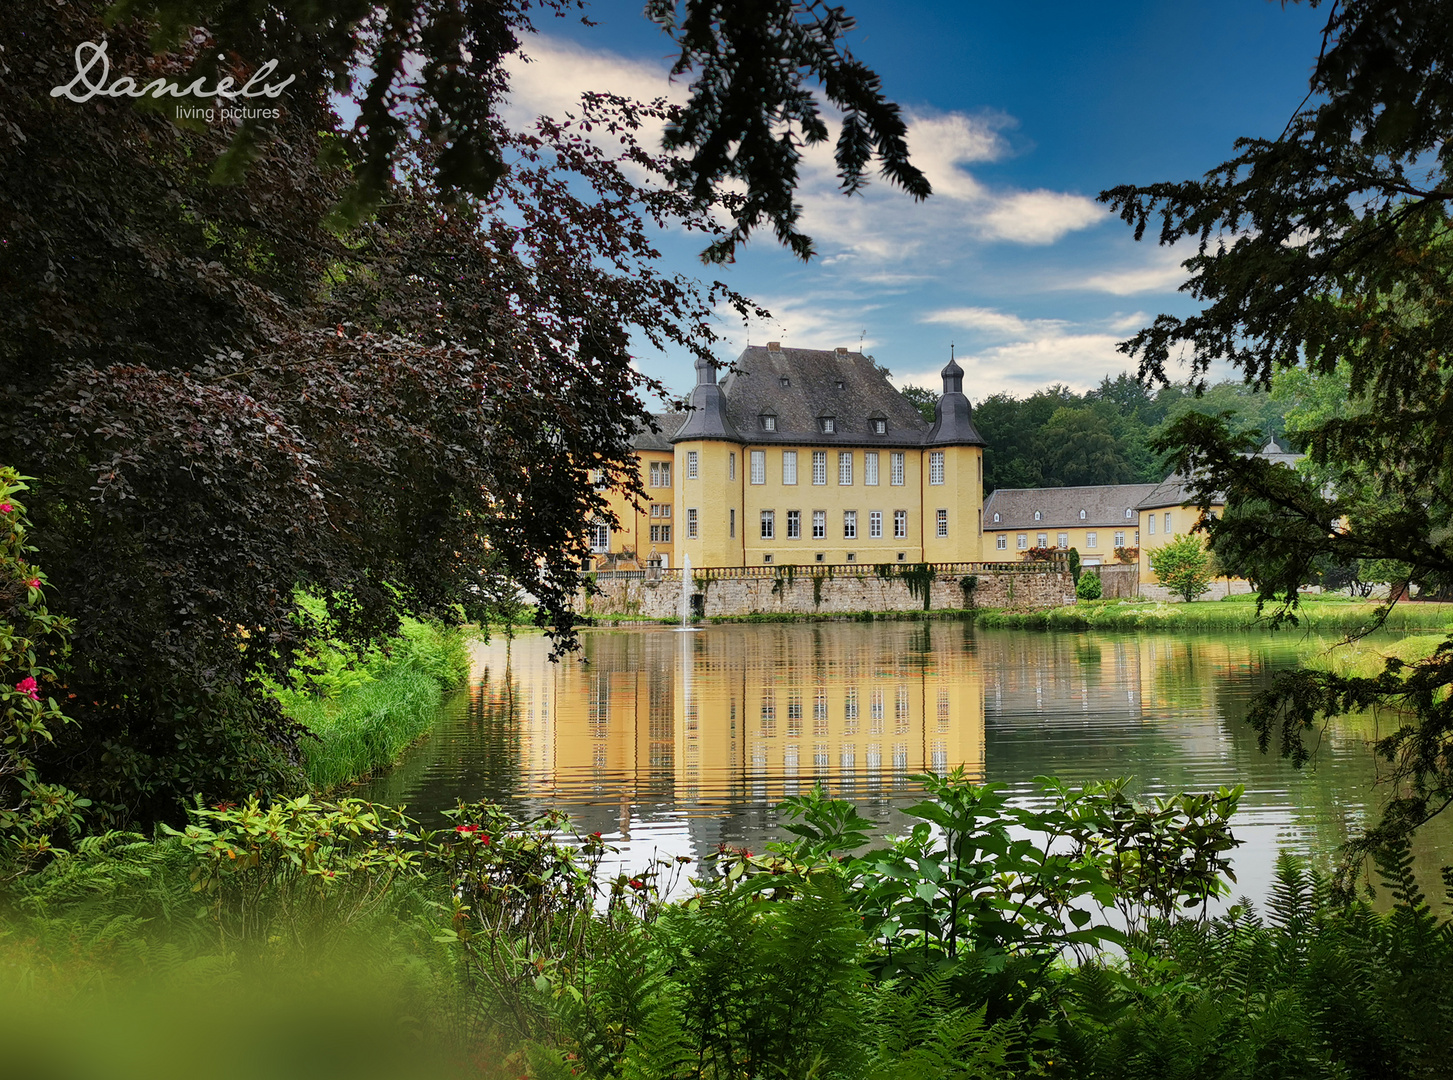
<point x="774" y="346"/>
<point x="842" y="350"/>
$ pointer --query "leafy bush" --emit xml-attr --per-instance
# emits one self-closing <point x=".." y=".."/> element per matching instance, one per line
<point x="1089" y="587"/>
<point x="1184" y="566"/>
<point x="31" y="811"/>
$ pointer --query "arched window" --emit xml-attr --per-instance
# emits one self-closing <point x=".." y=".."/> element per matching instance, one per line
<point x="996" y="517"/>
<point x="1036" y="515"/>
<point x="1082" y="515"/>
<point x="1129" y="512"/>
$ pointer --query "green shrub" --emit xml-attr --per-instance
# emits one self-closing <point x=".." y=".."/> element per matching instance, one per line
<point x="1088" y="587"/>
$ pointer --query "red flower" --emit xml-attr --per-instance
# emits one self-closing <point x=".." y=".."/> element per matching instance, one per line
<point x="595" y="836"/>
<point x="28" y="687"/>
<point x="34" y="583"/>
<point x="636" y="883"/>
<point x="5" y="508"/>
<point x="467" y="830"/>
<point x="225" y="805"/>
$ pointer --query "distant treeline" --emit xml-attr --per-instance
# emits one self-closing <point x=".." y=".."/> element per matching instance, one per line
<point x="1058" y="438"/>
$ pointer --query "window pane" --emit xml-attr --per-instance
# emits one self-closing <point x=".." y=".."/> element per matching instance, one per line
<point x="1002" y="542"/>
<point x="789" y="466"/>
<point x="942" y="522"/>
<point x="875" y="524"/>
<point x="794" y="524"/>
<point x="1021" y="541"/>
<point x="845" y="467"/>
<point x="759" y="466"/>
<point x="819" y="524"/>
<point x="732" y="466"/>
<point x="819" y="466"/>
<point x="1092" y="540"/>
<point x="691" y="522"/>
<point x="850" y="524"/>
<point x="768" y="524"/>
<point x="1062" y="540"/>
<point x="897" y="469"/>
<point x="870" y="467"/>
<point x="900" y="524"/>
<point x="691" y="463"/>
<point x="935" y="467"/>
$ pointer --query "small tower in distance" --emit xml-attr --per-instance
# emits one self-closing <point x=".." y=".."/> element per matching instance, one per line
<point x="709" y="477"/>
<point x="953" y="468"/>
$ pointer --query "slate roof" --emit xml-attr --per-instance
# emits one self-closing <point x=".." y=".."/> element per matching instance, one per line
<point x="801" y="386"/>
<point x="1175" y="489"/>
<point x="669" y="423"/>
<point x="1059" y="508"/>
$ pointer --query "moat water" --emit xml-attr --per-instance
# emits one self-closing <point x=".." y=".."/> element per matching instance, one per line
<point x="671" y="743"/>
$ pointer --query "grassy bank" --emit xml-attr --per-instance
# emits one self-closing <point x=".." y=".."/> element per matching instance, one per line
<point x="1213" y="615"/>
<point x="366" y="710"/>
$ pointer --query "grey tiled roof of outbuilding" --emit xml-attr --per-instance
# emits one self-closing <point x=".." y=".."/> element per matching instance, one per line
<point x="1175" y="489"/>
<point x="1104" y="506"/>
<point x="812" y="391"/>
<point x="669" y="423"/>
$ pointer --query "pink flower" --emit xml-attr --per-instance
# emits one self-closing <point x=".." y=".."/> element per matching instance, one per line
<point x="5" y="508"/>
<point x="27" y="686"/>
<point x="34" y="583"/>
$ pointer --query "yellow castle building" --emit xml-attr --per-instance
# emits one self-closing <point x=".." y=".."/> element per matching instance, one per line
<point x="804" y="456"/>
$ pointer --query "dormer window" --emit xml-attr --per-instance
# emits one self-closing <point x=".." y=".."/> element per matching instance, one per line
<point x="878" y="425"/>
<point x="829" y="425"/>
<point x="841" y="385"/>
<point x="1082" y="515"/>
<point x="996" y="517"/>
<point x="1129" y="512"/>
<point x="769" y="421"/>
<point x="785" y="381"/>
<point x="1036" y="515"/>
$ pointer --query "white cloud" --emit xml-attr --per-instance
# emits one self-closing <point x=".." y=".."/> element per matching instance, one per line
<point x="1039" y="217"/>
<point x="996" y="323"/>
<point x="1161" y="272"/>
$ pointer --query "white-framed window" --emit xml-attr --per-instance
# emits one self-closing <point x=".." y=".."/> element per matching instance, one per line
<point x="665" y="510"/>
<point x="1041" y="540"/>
<point x="880" y="426"/>
<point x="819" y="467"/>
<point x="996" y="519"/>
<point x="1036" y="515"/>
<point x="935" y="467"/>
<point x="732" y="465"/>
<point x="845" y="468"/>
<point x="1002" y="541"/>
<point x="655" y="509"/>
<point x="1021" y="542"/>
<point x="759" y="467"/>
<point x="1137" y="537"/>
<point x="599" y="536"/>
<point x="1129" y="512"/>
<point x="1062" y="540"/>
<point x="819" y="524"/>
<point x="769" y="422"/>
<point x="691" y="523"/>
<point x="692" y="462"/>
<point x="1082" y="515"/>
<point x="941" y="519"/>
<point x="769" y="524"/>
<point x="829" y="425"/>
<point x="789" y="466"/>
<point x="850" y="524"/>
<point x="896" y="469"/>
<point x="657" y="468"/>
<point x="1119" y="539"/>
<point x="1150" y="519"/>
<point x="660" y="534"/>
<point x="1167" y="522"/>
<point x="870" y="468"/>
<point x="1092" y="540"/>
<point x="875" y="524"/>
<point x="900" y="524"/>
<point x="794" y="524"/>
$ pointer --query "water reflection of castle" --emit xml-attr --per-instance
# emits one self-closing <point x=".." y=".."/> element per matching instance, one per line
<point x="741" y="716"/>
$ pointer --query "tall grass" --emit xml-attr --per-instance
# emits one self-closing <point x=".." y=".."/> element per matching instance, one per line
<point x="1207" y="615"/>
<point x="365" y="710"/>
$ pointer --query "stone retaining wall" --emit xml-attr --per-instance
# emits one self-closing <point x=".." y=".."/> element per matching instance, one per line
<point x="834" y="591"/>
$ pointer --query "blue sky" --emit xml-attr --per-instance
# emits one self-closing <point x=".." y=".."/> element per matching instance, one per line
<point x="1020" y="114"/>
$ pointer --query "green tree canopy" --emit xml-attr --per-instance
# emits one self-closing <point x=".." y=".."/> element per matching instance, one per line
<point x="1184" y="566"/>
<point x="1326" y="249"/>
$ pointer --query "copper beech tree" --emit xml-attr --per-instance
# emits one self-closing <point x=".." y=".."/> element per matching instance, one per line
<point x="380" y="362"/>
